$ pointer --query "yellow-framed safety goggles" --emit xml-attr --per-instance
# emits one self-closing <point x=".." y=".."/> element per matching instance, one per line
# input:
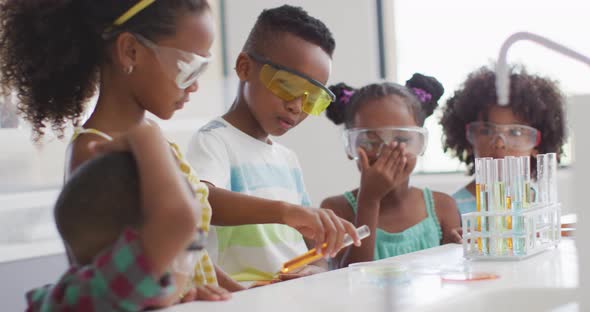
<point x="288" y="85"/>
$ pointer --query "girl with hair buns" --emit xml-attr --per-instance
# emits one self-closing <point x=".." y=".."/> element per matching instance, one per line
<point x="384" y="134"/>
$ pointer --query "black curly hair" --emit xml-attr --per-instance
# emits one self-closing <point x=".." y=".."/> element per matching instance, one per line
<point x="51" y="50"/>
<point x="271" y="23"/>
<point x="533" y="98"/>
<point x="421" y="94"/>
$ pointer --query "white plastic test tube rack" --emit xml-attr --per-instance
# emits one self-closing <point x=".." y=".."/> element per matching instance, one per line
<point x="514" y="220"/>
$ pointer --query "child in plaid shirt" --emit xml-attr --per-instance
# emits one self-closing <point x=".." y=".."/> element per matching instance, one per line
<point x="126" y="239"/>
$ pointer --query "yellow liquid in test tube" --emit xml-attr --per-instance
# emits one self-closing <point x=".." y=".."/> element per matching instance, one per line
<point x="509" y="221"/>
<point x="478" y="207"/>
<point x="313" y="255"/>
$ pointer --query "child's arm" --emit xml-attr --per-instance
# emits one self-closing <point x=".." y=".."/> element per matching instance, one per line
<point x="448" y="216"/>
<point x="226" y="281"/>
<point x="320" y="225"/>
<point x="169" y="221"/>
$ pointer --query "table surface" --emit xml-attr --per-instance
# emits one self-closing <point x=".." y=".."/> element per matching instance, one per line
<point x="347" y="290"/>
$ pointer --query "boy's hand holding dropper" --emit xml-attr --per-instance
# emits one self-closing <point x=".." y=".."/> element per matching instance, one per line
<point x="320" y="225"/>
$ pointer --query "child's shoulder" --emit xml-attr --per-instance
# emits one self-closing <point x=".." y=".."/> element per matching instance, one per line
<point x="214" y="125"/>
<point x="213" y="133"/>
<point x="441" y="200"/>
<point x="340" y="204"/>
<point x="80" y="152"/>
<point x="284" y="150"/>
<point x="445" y="205"/>
<point x="338" y="200"/>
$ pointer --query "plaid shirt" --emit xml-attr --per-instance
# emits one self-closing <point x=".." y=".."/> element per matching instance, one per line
<point x="204" y="270"/>
<point x="119" y="279"/>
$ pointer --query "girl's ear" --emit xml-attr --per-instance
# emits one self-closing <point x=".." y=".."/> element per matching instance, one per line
<point x="125" y="51"/>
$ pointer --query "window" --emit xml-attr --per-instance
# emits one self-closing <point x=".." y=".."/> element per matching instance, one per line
<point x="449" y="39"/>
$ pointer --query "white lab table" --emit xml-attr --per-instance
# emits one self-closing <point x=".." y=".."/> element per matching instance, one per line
<point x="553" y="270"/>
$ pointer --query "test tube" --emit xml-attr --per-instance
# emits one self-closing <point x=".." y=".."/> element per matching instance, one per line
<point x="500" y="184"/>
<point x="542" y="195"/>
<point x="490" y="176"/>
<point x="511" y="194"/>
<point x="522" y="169"/>
<point x="514" y="182"/>
<point x="527" y="196"/>
<point x="480" y="196"/>
<point x="499" y="205"/>
<point x="312" y="255"/>
<point x="551" y="177"/>
<point x="488" y="198"/>
<point x="510" y="181"/>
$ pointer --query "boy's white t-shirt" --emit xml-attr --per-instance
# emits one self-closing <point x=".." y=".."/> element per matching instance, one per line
<point x="229" y="158"/>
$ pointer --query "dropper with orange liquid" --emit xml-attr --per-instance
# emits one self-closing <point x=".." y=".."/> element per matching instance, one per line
<point x="313" y="255"/>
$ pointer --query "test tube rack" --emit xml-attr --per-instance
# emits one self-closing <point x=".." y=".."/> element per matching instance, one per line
<point x="515" y="217"/>
<point x="541" y="231"/>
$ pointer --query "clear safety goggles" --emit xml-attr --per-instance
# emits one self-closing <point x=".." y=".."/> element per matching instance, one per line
<point x="184" y="68"/>
<point x="372" y="141"/>
<point x="515" y="137"/>
<point x="185" y="262"/>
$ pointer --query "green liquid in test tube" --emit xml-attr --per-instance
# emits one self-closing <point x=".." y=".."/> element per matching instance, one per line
<point x="499" y="205"/>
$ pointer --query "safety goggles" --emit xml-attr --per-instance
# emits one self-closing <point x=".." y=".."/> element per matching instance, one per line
<point x="515" y="137"/>
<point x="289" y="85"/>
<point x="184" y="263"/>
<point x="183" y="67"/>
<point x="372" y="141"/>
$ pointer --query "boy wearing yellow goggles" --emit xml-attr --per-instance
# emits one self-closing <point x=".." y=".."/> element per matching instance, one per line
<point x="288" y="85"/>
<point x="282" y="70"/>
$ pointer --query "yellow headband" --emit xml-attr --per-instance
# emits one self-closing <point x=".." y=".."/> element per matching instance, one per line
<point x="142" y="4"/>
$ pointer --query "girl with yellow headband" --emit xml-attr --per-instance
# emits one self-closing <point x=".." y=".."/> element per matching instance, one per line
<point x="141" y="56"/>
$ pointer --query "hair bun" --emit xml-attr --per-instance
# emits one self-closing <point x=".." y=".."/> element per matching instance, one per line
<point x="427" y="89"/>
<point x="337" y="110"/>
